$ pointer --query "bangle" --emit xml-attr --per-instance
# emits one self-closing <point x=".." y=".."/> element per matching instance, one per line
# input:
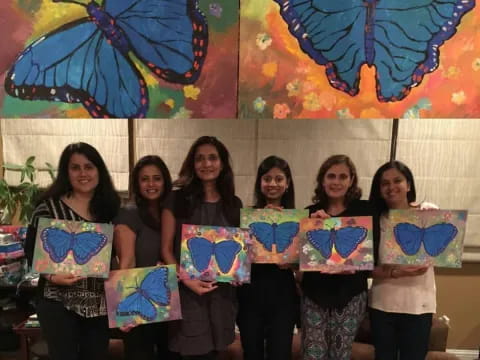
<point x="49" y="278"/>
<point x="392" y="274"/>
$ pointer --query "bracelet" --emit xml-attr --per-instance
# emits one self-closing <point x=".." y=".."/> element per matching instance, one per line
<point x="392" y="275"/>
<point x="49" y="278"/>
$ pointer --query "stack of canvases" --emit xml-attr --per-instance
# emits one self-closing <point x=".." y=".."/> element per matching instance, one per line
<point x="12" y="256"/>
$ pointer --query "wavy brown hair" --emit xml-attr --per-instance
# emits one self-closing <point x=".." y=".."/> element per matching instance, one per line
<point x="353" y="192"/>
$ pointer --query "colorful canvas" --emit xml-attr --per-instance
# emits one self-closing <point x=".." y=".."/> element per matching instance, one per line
<point x="417" y="237"/>
<point x="214" y="253"/>
<point x="73" y="247"/>
<point x="142" y="295"/>
<point x="274" y="234"/>
<point x="121" y="59"/>
<point x="341" y="243"/>
<point x="359" y="59"/>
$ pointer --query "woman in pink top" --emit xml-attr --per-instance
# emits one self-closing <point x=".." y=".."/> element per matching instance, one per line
<point x="402" y="298"/>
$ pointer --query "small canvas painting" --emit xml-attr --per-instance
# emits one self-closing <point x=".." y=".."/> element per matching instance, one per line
<point x="214" y="253"/>
<point x="142" y="295"/>
<point x="274" y="234"/>
<point x="73" y="247"/>
<point x="339" y="244"/>
<point x="418" y="237"/>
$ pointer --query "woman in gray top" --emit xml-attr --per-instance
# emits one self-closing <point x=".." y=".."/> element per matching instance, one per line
<point x="205" y="196"/>
<point x="137" y="243"/>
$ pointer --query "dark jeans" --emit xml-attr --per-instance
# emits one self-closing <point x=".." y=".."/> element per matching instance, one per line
<point x="266" y="320"/>
<point x="400" y="336"/>
<point x="210" y="356"/>
<point x="148" y="342"/>
<point x="71" y="336"/>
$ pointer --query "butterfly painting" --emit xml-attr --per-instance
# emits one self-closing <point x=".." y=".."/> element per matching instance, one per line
<point x="274" y="234"/>
<point x="215" y="253"/>
<point x="90" y="60"/>
<point x="352" y="59"/>
<point x="423" y="236"/>
<point x="142" y="295"/>
<point x="344" y="243"/>
<point x="79" y="248"/>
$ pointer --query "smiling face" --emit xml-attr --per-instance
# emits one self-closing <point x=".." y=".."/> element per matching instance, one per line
<point x="337" y="181"/>
<point x="273" y="185"/>
<point x="83" y="174"/>
<point x="150" y="182"/>
<point x="207" y="163"/>
<point x="394" y="188"/>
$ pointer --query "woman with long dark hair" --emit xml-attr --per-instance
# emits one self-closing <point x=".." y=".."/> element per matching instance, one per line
<point x="334" y="303"/>
<point x="72" y="310"/>
<point x="205" y="195"/>
<point x="268" y="306"/>
<point x="137" y="244"/>
<point x="402" y="298"/>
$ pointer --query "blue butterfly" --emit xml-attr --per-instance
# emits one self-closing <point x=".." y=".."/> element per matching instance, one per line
<point x="345" y="239"/>
<point x="88" y="60"/>
<point x="401" y="38"/>
<point x="435" y="238"/>
<point x="84" y="245"/>
<point x="279" y="234"/>
<point x="201" y="251"/>
<point x="152" y="290"/>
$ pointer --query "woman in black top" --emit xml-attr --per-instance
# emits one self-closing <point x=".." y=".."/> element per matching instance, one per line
<point x="334" y="303"/>
<point x="137" y="244"/>
<point x="72" y="310"/>
<point x="268" y="306"/>
<point x="205" y="196"/>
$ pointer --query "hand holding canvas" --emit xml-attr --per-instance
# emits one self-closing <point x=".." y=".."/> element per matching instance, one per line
<point x="200" y="287"/>
<point x="64" y="279"/>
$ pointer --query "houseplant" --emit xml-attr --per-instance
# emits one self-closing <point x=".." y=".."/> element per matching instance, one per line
<point x="18" y="201"/>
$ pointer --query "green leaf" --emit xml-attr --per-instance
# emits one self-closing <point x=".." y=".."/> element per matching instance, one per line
<point x="30" y="160"/>
<point x="10" y="166"/>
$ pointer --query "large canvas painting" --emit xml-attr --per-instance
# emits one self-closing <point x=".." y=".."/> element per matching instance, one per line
<point x="274" y="234"/>
<point x="142" y="295"/>
<point x="73" y="247"/>
<point x="215" y="253"/>
<point x="418" y="237"/>
<point x="119" y="58"/>
<point x="359" y="59"/>
<point x="336" y="244"/>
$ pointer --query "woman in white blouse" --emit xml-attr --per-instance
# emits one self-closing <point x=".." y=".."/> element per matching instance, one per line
<point x="402" y="298"/>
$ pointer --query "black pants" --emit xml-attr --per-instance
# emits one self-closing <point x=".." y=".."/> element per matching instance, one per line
<point x="400" y="336"/>
<point x="267" y="314"/>
<point x="148" y="342"/>
<point x="71" y="336"/>
<point x="210" y="356"/>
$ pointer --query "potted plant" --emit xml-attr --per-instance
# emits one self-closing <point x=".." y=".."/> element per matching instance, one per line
<point x="19" y="201"/>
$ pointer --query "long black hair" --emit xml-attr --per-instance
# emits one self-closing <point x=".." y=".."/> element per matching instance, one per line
<point x="375" y="195"/>
<point x="192" y="186"/>
<point x="353" y="192"/>
<point x="140" y="201"/>
<point x="270" y="162"/>
<point x="105" y="202"/>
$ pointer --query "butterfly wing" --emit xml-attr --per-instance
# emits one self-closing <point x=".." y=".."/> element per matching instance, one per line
<point x="170" y="37"/>
<point x="201" y="251"/>
<point x="225" y="253"/>
<point x="155" y="286"/>
<point x="409" y="237"/>
<point x="332" y="34"/>
<point x="407" y="38"/>
<point x="348" y="238"/>
<point x="56" y="242"/>
<point x="437" y="237"/>
<point x="137" y="304"/>
<point x="284" y="234"/>
<point x="264" y="234"/>
<point x="321" y="240"/>
<point x="87" y="244"/>
<point x="75" y="64"/>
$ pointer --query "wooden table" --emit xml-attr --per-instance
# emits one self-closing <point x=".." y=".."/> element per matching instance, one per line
<point x="27" y="335"/>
